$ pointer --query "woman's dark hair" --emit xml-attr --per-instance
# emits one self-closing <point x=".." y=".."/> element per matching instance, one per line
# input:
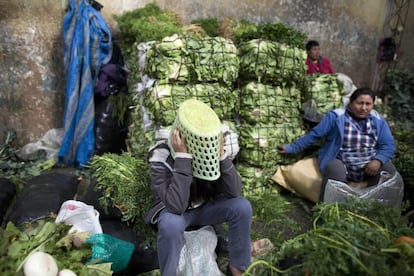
<point x="362" y="91"/>
<point x="310" y="44"/>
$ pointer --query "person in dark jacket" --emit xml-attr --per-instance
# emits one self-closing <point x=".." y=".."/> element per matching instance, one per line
<point x="316" y="62"/>
<point x="182" y="200"/>
<point x="358" y="142"/>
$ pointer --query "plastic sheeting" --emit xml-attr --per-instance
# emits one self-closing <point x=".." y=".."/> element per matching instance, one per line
<point x="389" y="190"/>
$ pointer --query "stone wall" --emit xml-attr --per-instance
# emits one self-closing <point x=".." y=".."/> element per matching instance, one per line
<point x="32" y="79"/>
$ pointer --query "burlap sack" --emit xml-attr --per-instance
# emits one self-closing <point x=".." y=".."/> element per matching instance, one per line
<point x="302" y="178"/>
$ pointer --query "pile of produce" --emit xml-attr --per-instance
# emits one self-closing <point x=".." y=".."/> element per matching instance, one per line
<point x="177" y="68"/>
<point x="325" y="90"/>
<point x="270" y="94"/>
<point x="46" y="248"/>
<point x="16" y="169"/>
<point x="124" y="180"/>
<point x="269" y="116"/>
<point x="162" y="101"/>
<point x="186" y="59"/>
<point x="358" y="237"/>
<point x="270" y="61"/>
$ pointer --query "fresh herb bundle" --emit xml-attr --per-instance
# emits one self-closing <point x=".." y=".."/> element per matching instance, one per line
<point x="125" y="180"/>
<point x="357" y="237"/>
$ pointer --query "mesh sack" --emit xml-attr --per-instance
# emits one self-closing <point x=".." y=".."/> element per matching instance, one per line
<point x="108" y="249"/>
<point x="201" y="127"/>
<point x="389" y="190"/>
<point x="326" y="90"/>
<point x="271" y="62"/>
<point x="267" y="104"/>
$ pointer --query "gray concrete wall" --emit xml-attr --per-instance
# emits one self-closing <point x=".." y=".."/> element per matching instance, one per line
<point x="31" y="75"/>
<point x="31" y="68"/>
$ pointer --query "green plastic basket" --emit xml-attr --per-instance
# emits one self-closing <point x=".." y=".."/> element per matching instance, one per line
<point x="201" y="127"/>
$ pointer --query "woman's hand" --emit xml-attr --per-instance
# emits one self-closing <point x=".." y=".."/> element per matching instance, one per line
<point x="281" y="148"/>
<point x="373" y="167"/>
<point x="178" y="142"/>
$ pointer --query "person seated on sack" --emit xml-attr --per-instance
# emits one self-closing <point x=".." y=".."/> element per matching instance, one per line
<point x="358" y="142"/>
<point x="194" y="183"/>
<point x="315" y="61"/>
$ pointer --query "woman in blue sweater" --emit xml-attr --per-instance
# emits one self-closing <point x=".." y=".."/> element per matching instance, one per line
<point x="358" y="142"/>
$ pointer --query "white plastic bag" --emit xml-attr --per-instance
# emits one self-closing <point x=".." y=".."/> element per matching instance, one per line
<point x="83" y="217"/>
<point x="231" y="141"/>
<point x="50" y="143"/>
<point x="198" y="256"/>
<point x="389" y="190"/>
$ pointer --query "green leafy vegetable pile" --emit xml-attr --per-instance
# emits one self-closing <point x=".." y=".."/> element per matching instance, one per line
<point x="186" y="59"/>
<point x="162" y="101"/>
<point x="146" y="24"/>
<point x="16" y="244"/>
<point x="183" y="67"/>
<point x="326" y="90"/>
<point x="241" y="31"/>
<point x="125" y="181"/>
<point x="17" y="170"/>
<point x="272" y="74"/>
<point x="358" y="237"/>
<point x="259" y="144"/>
<point x="270" y="61"/>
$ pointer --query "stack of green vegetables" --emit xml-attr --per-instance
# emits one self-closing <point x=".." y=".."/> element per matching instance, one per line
<point x="186" y="59"/>
<point x="269" y="109"/>
<point x="326" y="90"/>
<point x="162" y="100"/>
<point x="270" y="61"/>
<point x="185" y="67"/>
<point x="270" y="116"/>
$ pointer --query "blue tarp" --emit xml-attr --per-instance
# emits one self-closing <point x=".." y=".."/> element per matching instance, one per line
<point x="86" y="46"/>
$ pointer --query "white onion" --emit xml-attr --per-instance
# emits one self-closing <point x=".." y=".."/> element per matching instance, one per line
<point x="40" y="264"/>
<point x="66" y="272"/>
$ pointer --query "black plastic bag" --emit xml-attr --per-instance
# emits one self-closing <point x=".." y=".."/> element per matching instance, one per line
<point x="110" y="136"/>
<point x="143" y="258"/>
<point x="91" y="197"/>
<point x="7" y="193"/>
<point x="42" y="196"/>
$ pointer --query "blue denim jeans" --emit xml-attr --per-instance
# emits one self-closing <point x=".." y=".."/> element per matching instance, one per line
<point x="236" y="211"/>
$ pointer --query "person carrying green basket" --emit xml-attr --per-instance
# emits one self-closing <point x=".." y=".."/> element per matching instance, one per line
<point x="194" y="183"/>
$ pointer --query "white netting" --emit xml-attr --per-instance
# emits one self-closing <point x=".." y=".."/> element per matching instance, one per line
<point x="201" y="127"/>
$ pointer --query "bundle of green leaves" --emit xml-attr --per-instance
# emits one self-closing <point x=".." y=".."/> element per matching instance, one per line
<point x="162" y="101"/>
<point x="259" y="143"/>
<point x="357" y="237"/>
<point x="124" y="180"/>
<point x="263" y="103"/>
<point x="17" y="243"/>
<point x="186" y="59"/>
<point x="326" y="90"/>
<point x="244" y="30"/>
<point x="17" y="170"/>
<point x="149" y="23"/>
<point x="269" y="61"/>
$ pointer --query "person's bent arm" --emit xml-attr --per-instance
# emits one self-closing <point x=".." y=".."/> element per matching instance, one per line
<point x="313" y="136"/>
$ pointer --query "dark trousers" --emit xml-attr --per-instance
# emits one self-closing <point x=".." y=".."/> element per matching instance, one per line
<point x="336" y="170"/>
<point x="236" y="211"/>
